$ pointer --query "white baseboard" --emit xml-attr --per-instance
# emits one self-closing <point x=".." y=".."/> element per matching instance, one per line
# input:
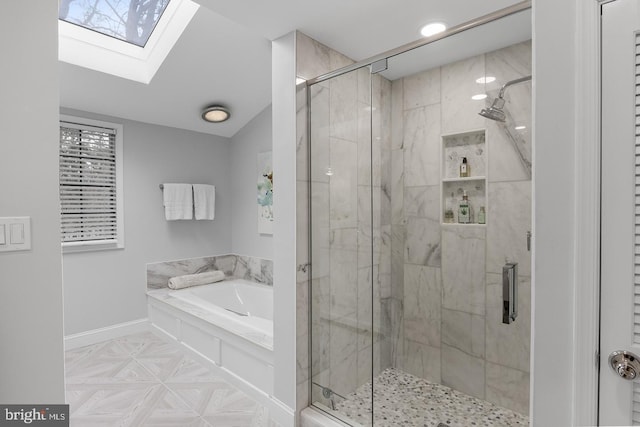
<point x="107" y="333"/>
<point x="281" y="413"/>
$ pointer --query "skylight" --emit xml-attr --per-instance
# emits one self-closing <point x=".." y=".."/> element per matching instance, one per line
<point x="125" y="38"/>
<point x="132" y="21"/>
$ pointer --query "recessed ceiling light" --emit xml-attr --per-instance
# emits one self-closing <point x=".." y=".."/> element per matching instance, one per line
<point x="486" y="79"/>
<point x="479" y="96"/>
<point x="520" y="127"/>
<point x="215" y="114"/>
<point x="432" y="29"/>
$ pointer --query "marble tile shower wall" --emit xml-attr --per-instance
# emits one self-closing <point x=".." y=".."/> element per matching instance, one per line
<point x="447" y="278"/>
<point x="344" y="225"/>
<point x="236" y="266"/>
<point x="437" y="302"/>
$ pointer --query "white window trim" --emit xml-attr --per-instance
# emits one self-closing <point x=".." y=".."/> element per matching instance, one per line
<point x="90" y="49"/>
<point x="99" y="245"/>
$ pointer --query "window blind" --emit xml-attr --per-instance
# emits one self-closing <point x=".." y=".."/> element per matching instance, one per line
<point x="88" y="184"/>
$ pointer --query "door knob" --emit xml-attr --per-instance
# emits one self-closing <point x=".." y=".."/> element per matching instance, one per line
<point x="625" y="364"/>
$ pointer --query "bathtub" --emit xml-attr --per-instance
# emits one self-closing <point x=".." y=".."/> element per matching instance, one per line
<point x="248" y="303"/>
<point x="229" y="323"/>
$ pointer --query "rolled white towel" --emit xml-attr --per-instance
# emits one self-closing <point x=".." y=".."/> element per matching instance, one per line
<point x="189" y="280"/>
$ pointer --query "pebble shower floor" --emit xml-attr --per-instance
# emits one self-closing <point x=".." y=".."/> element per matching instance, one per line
<point x="401" y="399"/>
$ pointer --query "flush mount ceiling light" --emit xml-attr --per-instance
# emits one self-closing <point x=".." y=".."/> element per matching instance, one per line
<point x="432" y="29"/>
<point x="215" y="114"/>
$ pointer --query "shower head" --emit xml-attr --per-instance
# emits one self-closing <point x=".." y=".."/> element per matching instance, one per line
<point x="495" y="112"/>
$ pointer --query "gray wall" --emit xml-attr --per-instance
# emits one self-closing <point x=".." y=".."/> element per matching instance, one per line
<point x="31" y="361"/>
<point x="252" y="139"/>
<point x="104" y="288"/>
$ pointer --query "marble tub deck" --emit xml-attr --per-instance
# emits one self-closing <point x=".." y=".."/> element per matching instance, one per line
<point x="143" y="380"/>
<point x="401" y="399"/>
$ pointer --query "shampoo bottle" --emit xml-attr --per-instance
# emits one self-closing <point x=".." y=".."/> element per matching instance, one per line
<point x="448" y="213"/>
<point x="482" y="216"/>
<point x="465" y="169"/>
<point x="464" y="210"/>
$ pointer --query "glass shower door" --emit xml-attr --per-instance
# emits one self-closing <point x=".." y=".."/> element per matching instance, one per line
<point x="342" y="239"/>
<point x="408" y="253"/>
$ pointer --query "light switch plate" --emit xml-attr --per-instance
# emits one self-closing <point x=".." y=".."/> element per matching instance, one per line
<point x="17" y="233"/>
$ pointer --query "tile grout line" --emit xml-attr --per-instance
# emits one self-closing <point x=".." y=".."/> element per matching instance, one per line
<point x="152" y="385"/>
<point x="163" y="383"/>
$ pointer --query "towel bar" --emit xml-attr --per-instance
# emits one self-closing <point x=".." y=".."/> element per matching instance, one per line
<point x="161" y="186"/>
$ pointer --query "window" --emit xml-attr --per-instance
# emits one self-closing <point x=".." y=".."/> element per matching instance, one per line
<point x="90" y="184"/>
<point x="124" y="38"/>
<point x="132" y="21"/>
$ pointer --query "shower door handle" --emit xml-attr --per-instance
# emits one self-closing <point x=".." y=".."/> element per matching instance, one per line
<point x="509" y="292"/>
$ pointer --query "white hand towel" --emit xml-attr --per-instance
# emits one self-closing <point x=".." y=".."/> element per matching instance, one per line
<point x="204" y="201"/>
<point x="178" y="201"/>
<point x="188" y="280"/>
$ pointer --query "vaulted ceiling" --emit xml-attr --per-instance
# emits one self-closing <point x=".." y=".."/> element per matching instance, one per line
<point x="224" y="55"/>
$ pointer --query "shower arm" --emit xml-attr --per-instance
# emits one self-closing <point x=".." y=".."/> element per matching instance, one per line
<point x="512" y="82"/>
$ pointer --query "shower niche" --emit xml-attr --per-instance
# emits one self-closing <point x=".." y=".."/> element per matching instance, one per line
<point x="457" y="147"/>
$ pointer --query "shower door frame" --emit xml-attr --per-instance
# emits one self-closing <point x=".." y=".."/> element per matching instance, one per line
<point x="309" y="104"/>
<point x="485" y="19"/>
<point x="580" y="406"/>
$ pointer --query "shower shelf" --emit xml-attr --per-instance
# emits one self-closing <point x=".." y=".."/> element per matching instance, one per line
<point x="471" y="178"/>
<point x="471" y="145"/>
<point x="455" y="224"/>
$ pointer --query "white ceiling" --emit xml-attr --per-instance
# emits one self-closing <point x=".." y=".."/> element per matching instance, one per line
<point x="224" y="54"/>
<point x="214" y="61"/>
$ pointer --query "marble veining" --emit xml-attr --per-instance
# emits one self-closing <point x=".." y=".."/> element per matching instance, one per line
<point x="234" y="266"/>
<point x="508" y="220"/>
<point x="510" y="154"/>
<point x="421" y="146"/>
<point x="422" y="272"/>
<point x="508" y="345"/>
<point x="463" y="269"/>
<point x="141" y="379"/>
<point x="459" y="110"/>
<point x="422" y="307"/>
<point x="319" y="133"/>
<point x="423" y="242"/>
<point x="312" y="57"/>
<point x="401" y="399"/>
<point x="468" y="349"/>
<point x="521" y="146"/>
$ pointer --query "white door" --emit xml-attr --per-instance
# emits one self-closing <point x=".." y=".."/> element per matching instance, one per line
<point x="620" y="250"/>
